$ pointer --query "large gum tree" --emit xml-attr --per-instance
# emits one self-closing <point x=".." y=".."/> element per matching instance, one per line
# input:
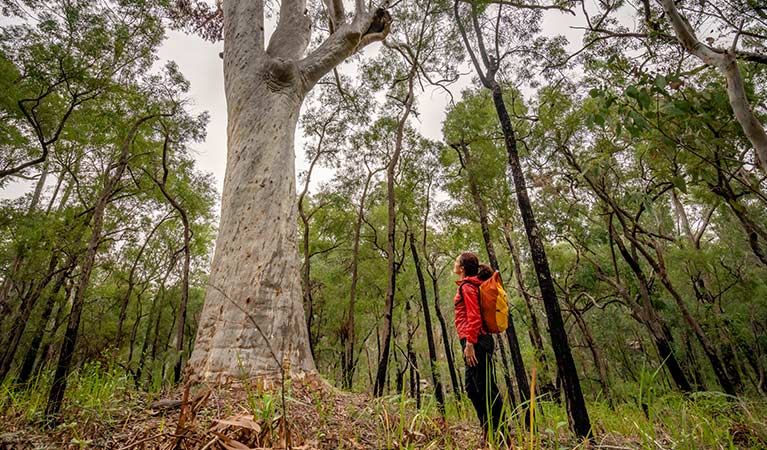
<point x="253" y="320"/>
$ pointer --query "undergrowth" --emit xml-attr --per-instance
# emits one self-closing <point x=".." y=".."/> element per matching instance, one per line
<point x="102" y="401"/>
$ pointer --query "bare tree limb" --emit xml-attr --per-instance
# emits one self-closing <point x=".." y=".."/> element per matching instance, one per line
<point x="726" y="62"/>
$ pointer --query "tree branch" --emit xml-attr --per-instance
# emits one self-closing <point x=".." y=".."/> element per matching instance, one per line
<point x="348" y="39"/>
<point x="291" y="37"/>
<point x="727" y="63"/>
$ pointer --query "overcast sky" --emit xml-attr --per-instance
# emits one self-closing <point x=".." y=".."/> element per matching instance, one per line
<point x="198" y="60"/>
<point x="200" y="63"/>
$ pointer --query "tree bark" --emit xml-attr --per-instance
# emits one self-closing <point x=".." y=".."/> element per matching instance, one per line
<point x="255" y="275"/>
<point x="306" y="268"/>
<point x="27" y="366"/>
<point x="145" y="343"/>
<point x="348" y="333"/>
<point x="70" y="337"/>
<point x="658" y="330"/>
<point x="378" y="388"/>
<point x="659" y="267"/>
<point x="11" y="345"/>
<point x="438" y="393"/>
<point x="445" y="337"/>
<point x="576" y="405"/>
<point x="511" y="334"/>
<point x="755" y="233"/>
<point x="535" y="331"/>
<point x="727" y="63"/>
<point x="131" y="274"/>
<point x="181" y="317"/>
<point x="599" y="362"/>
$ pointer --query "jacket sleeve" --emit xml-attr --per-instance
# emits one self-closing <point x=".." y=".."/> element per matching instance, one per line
<point x="473" y="316"/>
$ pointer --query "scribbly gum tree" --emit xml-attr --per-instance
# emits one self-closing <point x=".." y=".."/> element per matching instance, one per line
<point x="255" y="272"/>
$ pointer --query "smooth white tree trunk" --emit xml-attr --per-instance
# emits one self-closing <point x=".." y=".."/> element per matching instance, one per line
<point x="253" y="321"/>
<point x="255" y="269"/>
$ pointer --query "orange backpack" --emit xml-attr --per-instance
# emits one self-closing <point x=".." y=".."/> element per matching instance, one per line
<point x="493" y="304"/>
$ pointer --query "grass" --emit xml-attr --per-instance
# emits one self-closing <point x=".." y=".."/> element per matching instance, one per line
<point x="100" y="400"/>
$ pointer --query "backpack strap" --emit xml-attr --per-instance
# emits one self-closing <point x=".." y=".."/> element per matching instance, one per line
<point x="479" y="301"/>
<point x="460" y="291"/>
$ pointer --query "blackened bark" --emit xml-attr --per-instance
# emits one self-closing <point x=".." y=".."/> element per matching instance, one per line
<point x="445" y="337"/>
<point x="516" y="359"/>
<point x="134" y="331"/>
<point x="70" y="336"/>
<point x="479" y="204"/>
<point x="506" y="372"/>
<point x="511" y="335"/>
<point x="28" y="302"/>
<point x="27" y="366"/>
<point x="599" y="363"/>
<point x="438" y="394"/>
<point x="756" y="234"/>
<point x="5" y="289"/>
<point x="576" y="405"/>
<point x="131" y="284"/>
<point x="181" y="317"/>
<point x="49" y="349"/>
<point x="411" y="360"/>
<point x="378" y="388"/>
<point x="307" y="269"/>
<point x="145" y="343"/>
<point x="347" y="333"/>
<point x="708" y="348"/>
<point x="693" y="368"/>
<point x="535" y="331"/>
<point x="659" y="332"/>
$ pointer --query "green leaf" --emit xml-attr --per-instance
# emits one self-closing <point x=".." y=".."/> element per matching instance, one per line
<point x="673" y="111"/>
<point x="594" y="92"/>
<point x="599" y="120"/>
<point x="683" y="105"/>
<point x="632" y="91"/>
<point x="680" y="183"/>
<point x="645" y="101"/>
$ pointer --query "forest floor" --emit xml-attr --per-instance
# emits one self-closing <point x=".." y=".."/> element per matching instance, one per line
<point x="320" y="416"/>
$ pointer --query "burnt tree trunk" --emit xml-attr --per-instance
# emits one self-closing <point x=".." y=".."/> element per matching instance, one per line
<point x="28" y="301"/>
<point x="576" y="405"/>
<point x="599" y="363"/>
<point x="70" y="336"/>
<point x="511" y="334"/>
<point x="577" y="414"/>
<point x="27" y="366"/>
<point x="438" y="394"/>
<point x="131" y="284"/>
<point x="348" y="332"/>
<point x="181" y="316"/>
<point x="445" y="337"/>
<point x="305" y="217"/>
<point x="535" y="331"/>
<point x="391" y="271"/>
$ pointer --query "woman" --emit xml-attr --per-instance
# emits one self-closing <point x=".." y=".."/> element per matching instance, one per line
<point x="477" y="345"/>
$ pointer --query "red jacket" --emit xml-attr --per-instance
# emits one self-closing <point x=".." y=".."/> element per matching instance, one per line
<point x="468" y="320"/>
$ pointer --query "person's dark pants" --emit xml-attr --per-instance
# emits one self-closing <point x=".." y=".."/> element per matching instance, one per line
<point x="481" y="386"/>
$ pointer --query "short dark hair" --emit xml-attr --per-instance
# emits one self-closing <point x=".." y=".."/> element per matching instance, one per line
<point x="484" y="272"/>
<point x="470" y="263"/>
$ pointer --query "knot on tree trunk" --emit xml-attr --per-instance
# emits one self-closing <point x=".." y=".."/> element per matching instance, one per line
<point x="381" y="22"/>
<point x="280" y="74"/>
